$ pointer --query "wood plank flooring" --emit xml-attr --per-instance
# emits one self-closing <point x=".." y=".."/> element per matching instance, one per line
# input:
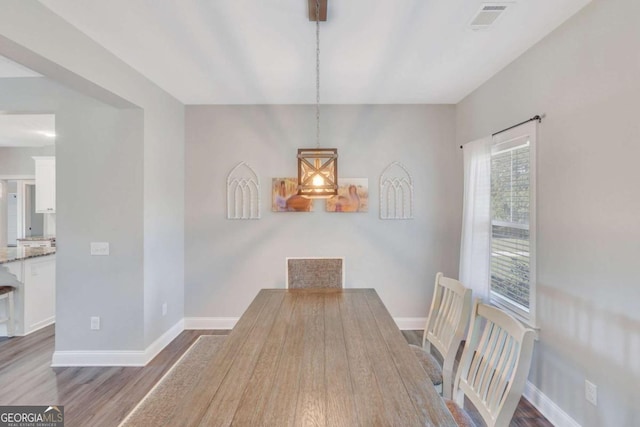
<point x="104" y="396"/>
<point x="91" y="396"/>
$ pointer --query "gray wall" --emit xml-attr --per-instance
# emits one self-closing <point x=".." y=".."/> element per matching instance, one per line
<point x="95" y="201"/>
<point x="34" y="36"/>
<point x="100" y="198"/>
<point x="585" y="77"/>
<point x="18" y="160"/>
<point x="228" y="261"/>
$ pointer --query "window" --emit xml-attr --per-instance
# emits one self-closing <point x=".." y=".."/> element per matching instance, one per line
<point x="512" y="264"/>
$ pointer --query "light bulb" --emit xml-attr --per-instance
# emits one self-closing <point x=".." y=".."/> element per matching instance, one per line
<point x="318" y="181"/>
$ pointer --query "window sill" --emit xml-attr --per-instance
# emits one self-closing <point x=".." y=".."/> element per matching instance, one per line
<point x="529" y="323"/>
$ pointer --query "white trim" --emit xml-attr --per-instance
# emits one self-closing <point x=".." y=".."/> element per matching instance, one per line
<point x="513" y="308"/>
<point x="547" y="407"/>
<point x="17" y="177"/>
<point x="41" y="324"/>
<point x="97" y="358"/>
<point x="528" y="130"/>
<point x="510" y="224"/>
<point x="163" y="340"/>
<point x="210" y="322"/>
<point x="410" y="323"/>
<point x="117" y="357"/>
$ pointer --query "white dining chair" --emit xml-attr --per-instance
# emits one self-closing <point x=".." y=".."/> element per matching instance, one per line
<point x="6" y="294"/>
<point x="494" y="367"/>
<point x="8" y="285"/>
<point x="448" y="318"/>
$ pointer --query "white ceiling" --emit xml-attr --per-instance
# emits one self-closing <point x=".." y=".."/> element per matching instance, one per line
<point x="263" y="52"/>
<point x="27" y="130"/>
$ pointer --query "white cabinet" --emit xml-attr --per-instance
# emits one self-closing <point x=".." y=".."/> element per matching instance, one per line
<point x="45" y="184"/>
<point x="39" y="293"/>
<point x="35" y="297"/>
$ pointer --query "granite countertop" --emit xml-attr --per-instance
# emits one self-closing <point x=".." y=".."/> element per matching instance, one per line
<point x="32" y="238"/>
<point x="17" y="254"/>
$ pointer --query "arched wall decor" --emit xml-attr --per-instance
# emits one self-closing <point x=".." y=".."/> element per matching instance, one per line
<point x="396" y="192"/>
<point x="243" y="193"/>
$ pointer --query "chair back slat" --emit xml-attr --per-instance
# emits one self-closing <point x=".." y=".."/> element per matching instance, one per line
<point x="477" y="359"/>
<point x="448" y="318"/>
<point x="504" y="370"/>
<point x="494" y="365"/>
<point x="499" y="338"/>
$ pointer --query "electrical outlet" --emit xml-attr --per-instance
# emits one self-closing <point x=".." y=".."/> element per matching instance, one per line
<point x="164" y="309"/>
<point x="100" y="248"/>
<point x="95" y="323"/>
<point x="591" y="392"/>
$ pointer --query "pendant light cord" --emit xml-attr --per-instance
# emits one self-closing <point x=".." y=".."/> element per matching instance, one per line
<point x="318" y="73"/>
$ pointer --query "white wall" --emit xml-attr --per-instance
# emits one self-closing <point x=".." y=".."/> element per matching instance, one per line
<point x="228" y="261"/>
<point x="19" y="161"/>
<point x="586" y="77"/>
<point x="34" y="36"/>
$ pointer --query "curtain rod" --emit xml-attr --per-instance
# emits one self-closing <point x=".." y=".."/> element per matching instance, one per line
<point x="536" y="117"/>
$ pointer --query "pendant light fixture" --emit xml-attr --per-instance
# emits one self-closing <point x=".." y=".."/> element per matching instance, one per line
<point x="318" y="167"/>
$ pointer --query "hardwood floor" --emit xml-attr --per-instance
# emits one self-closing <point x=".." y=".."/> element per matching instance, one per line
<point x="104" y="396"/>
<point x="91" y="396"/>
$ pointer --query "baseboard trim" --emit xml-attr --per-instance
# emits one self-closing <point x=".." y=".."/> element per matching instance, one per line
<point x="191" y="323"/>
<point x="410" y="323"/>
<point x="97" y="358"/>
<point x="41" y="324"/>
<point x="117" y="357"/>
<point x="163" y="340"/>
<point x="548" y="407"/>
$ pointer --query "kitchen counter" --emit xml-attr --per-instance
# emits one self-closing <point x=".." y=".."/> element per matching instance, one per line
<point x="17" y="254"/>
<point x="37" y="242"/>
<point x="31" y="238"/>
<point x="32" y="271"/>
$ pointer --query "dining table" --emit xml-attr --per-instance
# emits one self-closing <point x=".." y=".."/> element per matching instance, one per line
<point x="313" y="357"/>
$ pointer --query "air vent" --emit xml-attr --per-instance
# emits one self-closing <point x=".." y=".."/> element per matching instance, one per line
<point x="488" y="15"/>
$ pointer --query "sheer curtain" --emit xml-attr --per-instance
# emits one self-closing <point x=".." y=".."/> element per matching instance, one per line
<point x="475" y="249"/>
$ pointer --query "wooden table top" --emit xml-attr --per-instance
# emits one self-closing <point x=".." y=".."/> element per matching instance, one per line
<point x="314" y="357"/>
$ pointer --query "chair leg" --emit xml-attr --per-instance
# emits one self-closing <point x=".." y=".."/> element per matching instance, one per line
<point x="11" y="321"/>
<point x="447" y="379"/>
<point x="439" y="389"/>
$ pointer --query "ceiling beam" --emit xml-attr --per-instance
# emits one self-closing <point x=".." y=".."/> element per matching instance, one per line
<point x="312" y="10"/>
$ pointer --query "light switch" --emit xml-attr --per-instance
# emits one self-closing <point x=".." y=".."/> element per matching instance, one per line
<point x="99" y="248"/>
<point x="95" y="323"/>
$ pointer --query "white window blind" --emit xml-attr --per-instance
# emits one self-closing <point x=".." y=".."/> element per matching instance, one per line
<point x="512" y="261"/>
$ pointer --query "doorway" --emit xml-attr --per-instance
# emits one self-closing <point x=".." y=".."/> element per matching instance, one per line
<point x="12" y="214"/>
<point x="33" y="221"/>
<point x="20" y="214"/>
